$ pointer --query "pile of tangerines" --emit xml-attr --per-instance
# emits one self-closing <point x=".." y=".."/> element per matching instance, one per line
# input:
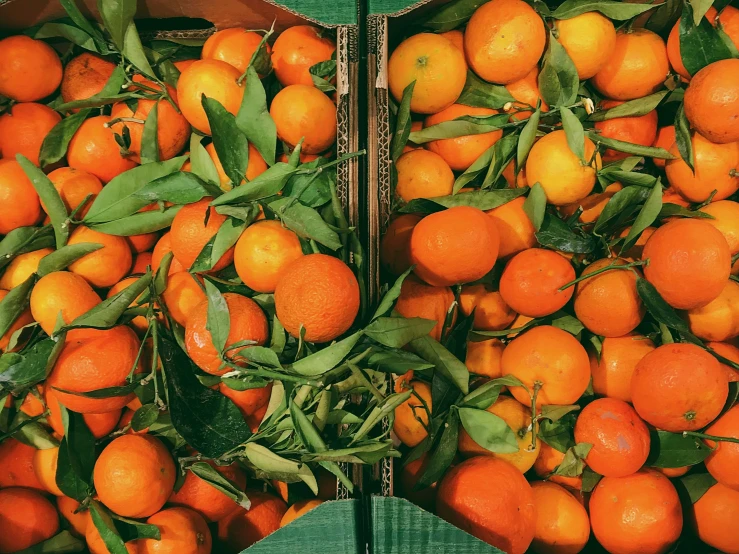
<point x="176" y="270"/>
<point x="565" y="209"/>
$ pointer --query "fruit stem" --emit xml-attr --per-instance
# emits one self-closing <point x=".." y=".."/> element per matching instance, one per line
<point x="125" y="120"/>
<point x="613" y="265"/>
<point x="709" y="437"/>
<point x="534" y="419"/>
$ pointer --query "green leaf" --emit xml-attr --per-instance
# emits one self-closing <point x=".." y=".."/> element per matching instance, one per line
<point x="32" y="433"/>
<point x="202" y="164"/>
<point x="305" y="222"/>
<point x="555" y="413"/>
<point x="700" y="43"/>
<point x="630" y="148"/>
<point x="568" y="323"/>
<point x="106" y="314"/>
<point x="479" y="166"/>
<point x="62" y="543"/>
<point x="81" y="21"/>
<point x="254" y="120"/>
<point x="396" y="332"/>
<point x="573" y="463"/>
<point x="488" y="430"/>
<point x="105" y="526"/>
<point x="144" y="417"/>
<point x="265" y="185"/>
<point x="485" y="395"/>
<point x="444" y="453"/>
<point x="558" y="79"/>
<point x="322" y="74"/>
<point x="590" y="479"/>
<point x="149" y="139"/>
<point x="219" y="244"/>
<point x="535" y="205"/>
<point x="481" y="94"/>
<point x="219" y="321"/>
<point x="661" y="310"/>
<point x="266" y="460"/>
<point x="50" y="197"/>
<point x="502" y="155"/>
<point x="613" y="9"/>
<point x="14" y="303"/>
<point x="55" y="144"/>
<point x="327" y="358"/>
<point x="117" y="199"/>
<point x="481" y="199"/>
<point x="138" y="223"/>
<point x="403" y="123"/>
<point x="209" y="422"/>
<point x="555" y="234"/>
<point x="76" y="459"/>
<point x="133" y="50"/>
<point x="180" y="187"/>
<point x="459" y="127"/>
<point x="632" y="108"/>
<point x="647" y="215"/>
<point x="694" y="486"/>
<point x="676" y="450"/>
<point x="444" y="361"/>
<point x="526" y="139"/>
<point x="574" y="133"/>
<point x="558" y="434"/>
<point x="388" y="300"/>
<point x="60" y="259"/>
<point x="25" y="370"/>
<point x="618" y="204"/>
<point x="683" y="137"/>
<point x="116" y="16"/>
<point x="230" y="142"/>
<point x="73" y="34"/>
<point x="261" y="355"/>
<point x="220" y="483"/>
<point x="452" y="15"/>
<point x="130" y="529"/>
<point x="24" y="239"/>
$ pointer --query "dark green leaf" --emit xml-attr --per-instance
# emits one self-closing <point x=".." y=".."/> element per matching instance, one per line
<point x="24" y="239"/>
<point x="76" y="456"/>
<point x="676" y="450"/>
<point x="526" y="139"/>
<point x="327" y="358"/>
<point x="388" y="300"/>
<point x="106" y="314"/>
<point x="180" y="187"/>
<point x="558" y="434"/>
<point x="444" y="454"/>
<point x="629" y="148"/>
<point x="632" y="108"/>
<point x="254" y="120"/>
<point x="396" y="332"/>
<point x="62" y="543"/>
<point x="14" y="303"/>
<point x="402" y="123"/>
<point x="230" y="142"/>
<point x="105" y="526"/>
<point x="444" y="361"/>
<point x="619" y="202"/>
<point x="683" y="137"/>
<point x="218" y="245"/>
<point x="574" y="132"/>
<point x="144" y="417"/>
<point x="149" y="138"/>
<point x="481" y="94"/>
<point x="60" y="259"/>
<point x="322" y="74"/>
<point x="485" y="395"/>
<point x="50" y="197"/>
<point x="613" y="9"/>
<point x="535" y="205"/>
<point x="700" y="44"/>
<point x="488" y="430"/>
<point x="138" y="223"/>
<point x="265" y="185"/>
<point x="452" y="15"/>
<point x="460" y="127"/>
<point x="131" y="530"/>
<point x="695" y="486"/>
<point x="481" y="199"/>
<point x="660" y="310"/>
<point x="590" y="479"/>
<point x="305" y="222"/>
<point x="647" y="215"/>
<point x="503" y="151"/>
<point x="219" y="320"/>
<point x="555" y="234"/>
<point x="24" y="370"/>
<point x="558" y="79"/>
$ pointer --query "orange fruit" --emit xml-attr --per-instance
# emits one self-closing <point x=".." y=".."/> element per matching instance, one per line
<point x="548" y="461"/>
<point x="74" y="186"/>
<point x="68" y="510"/>
<point x="182" y="295"/>
<point x="134" y="475"/>
<point x="714" y="516"/>
<point x="531" y="280"/>
<point x="613" y="369"/>
<point x="241" y="528"/>
<point x="673" y="472"/>
<point x="719" y="319"/>
<point x="235" y="46"/>
<point x="491" y="311"/>
<point x="423" y="174"/>
<point x="100" y="425"/>
<point x="461" y="152"/>
<point x="23" y="129"/>
<point x="214" y="79"/>
<point x="483" y="357"/>
<point x="512" y="180"/>
<point x="679" y="387"/>
<point x="589" y="39"/>
<point x="689" y="262"/>
<point x="518" y="418"/>
<point x="44" y="465"/>
<point x="728" y="22"/>
<point x="563" y="176"/>
<point x="16" y="465"/>
<point x="636" y="251"/>
<point x="248" y="401"/>
<point x="189" y="233"/>
<point x="97" y="360"/>
<point x="247" y="322"/>
<point x="262" y="253"/>
<point x="619" y="437"/>
<point x="410" y="474"/>
<point x="182" y="65"/>
<point x="304" y="112"/>
<point x="562" y="524"/>
<point x="106" y="266"/>
<point x="296" y="50"/>
<point x="641" y="130"/>
<point x="456" y="37"/>
<point x="173" y="130"/>
<point x="141" y="243"/>
<point x="85" y="76"/>
<point x="93" y="148"/>
<point x="552" y="358"/>
<point x="637" y="67"/>
<point x="299" y="509"/>
<point x="665" y="139"/>
<point x="673" y="45"/>
<point x="725" y="215"/>
<point x="730" y="352"/>
<point x="22" y="267"/>
<point x="592" y="205"/>
<point x="183" y="531"/>
<point x="454" y="246"/>
<point x="527" y="95"/>
<point x="19" y="203"/>
<point x="516" y="231"/>
<point x="504" y="40"/>
<point x="721" y="463"/>
<point x="61" y="292"/>
<point x="395" y="248"/>
<point x="140" y="262"/>
<point x="26" y="518"/>
<point x="161" y="249"/>
<point x="608" y="304"/>
<point x="22" y="320"/>
<point x="411" y="417"/>
<point x="417" y="299"/>
<point x="640" y="512"/>
<point x="435" y="64"/>
<point x="205" y="499"/>
<point x="711" y="103"/>
<point x="713" y="163"/>
<point x="490" y="499"/>
<point x="318" y="293"/>
<point x="29" y="69"/>
<point x="139" y="323"/>
<point x="32" y="405"/>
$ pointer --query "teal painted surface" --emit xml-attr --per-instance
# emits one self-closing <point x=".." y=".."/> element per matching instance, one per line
<point x="331" y="528"/>
<point x="400" y="527"/>
<point x="330" y="12"/>
<point x="390" y="7"/>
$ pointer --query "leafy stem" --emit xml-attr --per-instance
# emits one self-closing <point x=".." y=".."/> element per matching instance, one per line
<point x="709" y="437"/>
<point x="609" y="267"/>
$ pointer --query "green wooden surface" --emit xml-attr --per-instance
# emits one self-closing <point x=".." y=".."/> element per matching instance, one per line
<point x="390" y="7"/>
<point x="400" y="527"/>
<point x="331" y="528"/>
<point x="330" y="12"/>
